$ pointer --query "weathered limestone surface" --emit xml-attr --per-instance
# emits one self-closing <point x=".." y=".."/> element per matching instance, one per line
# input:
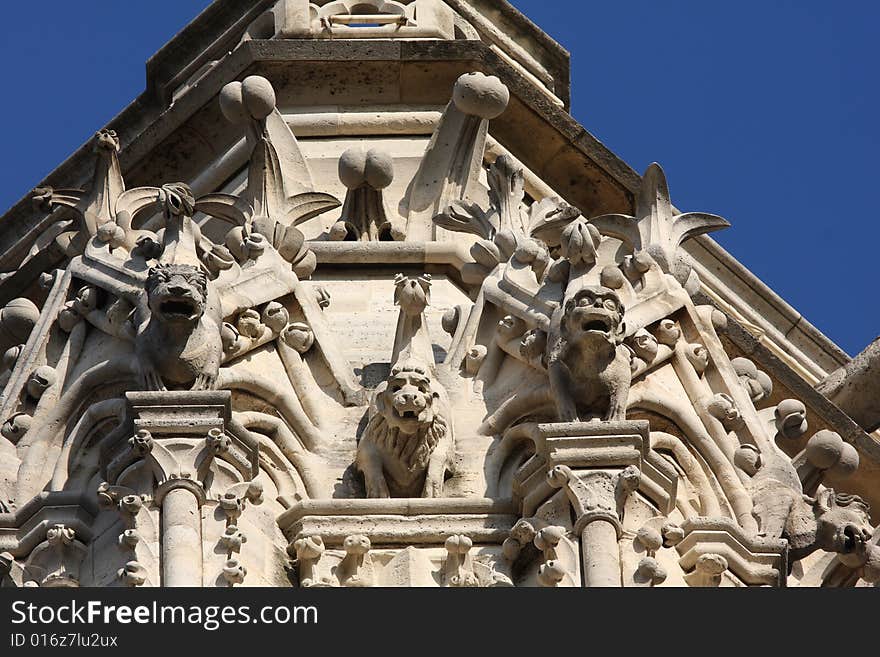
<point x="295" y="322"/>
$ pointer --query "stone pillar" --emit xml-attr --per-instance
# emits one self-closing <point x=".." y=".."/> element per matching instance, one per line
<point x="598" y="498"/>
<point x="179" y="434"/>
<point x="598" y="465"/>
<point x="601" y="555"/>
<point x="181" y="538"/>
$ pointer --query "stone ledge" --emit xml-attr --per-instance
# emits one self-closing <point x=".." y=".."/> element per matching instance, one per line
<point x="400" y="522"/>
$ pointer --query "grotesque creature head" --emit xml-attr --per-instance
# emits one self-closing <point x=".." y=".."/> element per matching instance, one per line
<point x="407" y="401"/>
<point x="177" y="294"/>
<point x="842" y="522"/>
<point x="595" y="313"/>
<point x="408" y="416"/>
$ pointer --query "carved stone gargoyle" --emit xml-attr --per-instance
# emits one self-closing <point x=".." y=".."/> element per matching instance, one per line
<point x="834" y="522"/>
<point x="830" y="521"/>
<point x="407" y="446"/>
<point x="179" y="344"/>
<point x="588" y="365"/>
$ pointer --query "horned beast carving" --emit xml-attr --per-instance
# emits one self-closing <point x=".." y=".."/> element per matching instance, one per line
<point x="588" y="365"/>
<point x="834" y="522"/>
<point x="179" y="345"/>
<point x="830" y="521"/>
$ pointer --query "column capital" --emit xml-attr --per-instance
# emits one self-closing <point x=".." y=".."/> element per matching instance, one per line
<point x="596" y="494"/>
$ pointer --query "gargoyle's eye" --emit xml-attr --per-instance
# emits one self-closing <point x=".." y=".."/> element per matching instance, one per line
<point x="585" y="301"/>
<point x="611" y="305"/>
<point x="395" y="389"/>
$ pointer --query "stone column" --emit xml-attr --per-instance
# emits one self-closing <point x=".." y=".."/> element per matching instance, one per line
<point x="181" y="537"/>
<point x="598" y="498"/>
<point x="179" y="434"/>
<point x="598" y="465"/>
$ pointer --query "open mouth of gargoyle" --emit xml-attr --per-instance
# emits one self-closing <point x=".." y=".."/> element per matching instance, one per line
<point x="600" y="325"/>
<point x="408" y="415"/>
<point x="178" y="308"/>
<point x="851" y="539"/>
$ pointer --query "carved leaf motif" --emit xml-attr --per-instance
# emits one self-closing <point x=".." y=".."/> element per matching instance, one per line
<point x="506" y="194"/>
<point x="138" y="200"/>
<point x="464" y="217"/>
<point x="549" y="217"/>
<point x="227" y="207"/>
<point x="303" y="207"/>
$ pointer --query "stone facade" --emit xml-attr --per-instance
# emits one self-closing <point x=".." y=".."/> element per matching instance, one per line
<point x="405" y="323"/>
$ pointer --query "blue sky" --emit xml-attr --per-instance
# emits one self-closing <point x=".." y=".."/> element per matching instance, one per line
<point x="765" y="112"/>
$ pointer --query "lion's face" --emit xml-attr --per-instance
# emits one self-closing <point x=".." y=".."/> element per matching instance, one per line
<point x="407" y="402"/>
<point x="177" y="294"/>
<point x="594" y="313"/>
<point x="842" y="522"/>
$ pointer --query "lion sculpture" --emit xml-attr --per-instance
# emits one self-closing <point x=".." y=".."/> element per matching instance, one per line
<point x="179" y="345"/>
<point x="588" y="365"/>
<point x="407" y="446"/>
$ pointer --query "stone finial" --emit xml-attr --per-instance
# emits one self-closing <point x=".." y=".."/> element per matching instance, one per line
<point x="656" y="228"/>
<point x="280" y="193"/>
<point x="449" y="172"/>
<point x="365" y="173"/>
<point x="483" y="96"/>
<point x="17" y="320"/>
<point x="459" y="568"/>
<point x="825" y="453"/>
